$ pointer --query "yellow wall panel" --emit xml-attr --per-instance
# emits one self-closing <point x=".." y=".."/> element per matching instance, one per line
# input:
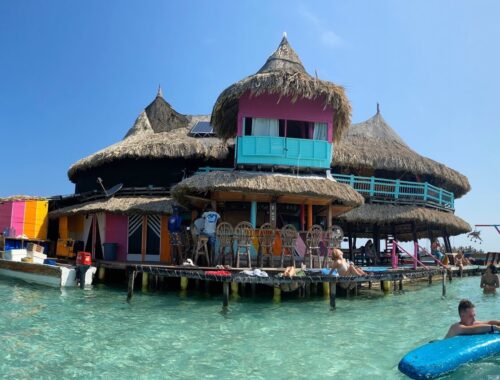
<point x="29" y="228"/>
<point x="42" y="219"/>
<point x="63" y="227"/>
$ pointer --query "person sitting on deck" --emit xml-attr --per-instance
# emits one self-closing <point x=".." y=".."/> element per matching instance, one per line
<point x="489" y="280"/>
<point x="461" y="260"/>
<point x="468" y="324"/>
<point x="436" y="250"/>
<point x="370" y="252"/>
<point x="343" y="267"/>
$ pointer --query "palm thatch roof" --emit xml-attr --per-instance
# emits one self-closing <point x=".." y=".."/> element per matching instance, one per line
<point x="267" y="183"/>
<point x="120" y="205"/>
<point x="282" y="74"/>
<point x="158" y="132"/>
<point x="373" y="144"/>
<point x="389" y="218"/>
<point x="12" y="198"/>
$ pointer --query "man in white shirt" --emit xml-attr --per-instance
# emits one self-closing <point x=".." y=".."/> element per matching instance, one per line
<point x="210" y="218"/>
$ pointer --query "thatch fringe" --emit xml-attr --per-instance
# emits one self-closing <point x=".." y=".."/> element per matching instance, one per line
<point x="392" y="215"/>
<point x="120" y="205"/>
<point x="373" y="144"/>
<point x="143" y="142"/>
<point x="267" y="183"/>
<point x="283" y="74"/>
<point x="12" y="198"/>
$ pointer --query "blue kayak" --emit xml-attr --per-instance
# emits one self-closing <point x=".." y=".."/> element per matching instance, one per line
<point x="442" y="356"/>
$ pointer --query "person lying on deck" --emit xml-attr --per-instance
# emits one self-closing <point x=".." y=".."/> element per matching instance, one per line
<point x="489" y="280"/>
<point x="468" y="324"/>
<point x="344" y="267"/>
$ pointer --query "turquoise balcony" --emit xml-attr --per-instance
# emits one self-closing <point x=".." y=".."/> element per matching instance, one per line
<point x="283" y="151"/>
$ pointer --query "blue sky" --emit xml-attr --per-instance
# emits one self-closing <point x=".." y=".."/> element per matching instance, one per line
<point x="75" y="75"/>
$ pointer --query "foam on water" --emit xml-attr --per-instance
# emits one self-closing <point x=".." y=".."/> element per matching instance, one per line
<point x="48" y="333"/>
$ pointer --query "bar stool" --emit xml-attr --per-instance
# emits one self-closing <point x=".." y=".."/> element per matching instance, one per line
<point x="266" y="242"/>
<point x="288" y="235"/>
<point x="243" y="234"/>
<point x="224" y="235"/>
<point x="313" y="239"/>
<point x="202" y="249"/>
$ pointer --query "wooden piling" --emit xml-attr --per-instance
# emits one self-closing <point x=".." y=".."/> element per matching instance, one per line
<point x="277" y="294"/>
<point x="184" y="283"/>
<point x="326" y="289"/>
<point x="333" y="293"/>
<point x="443" y="282"/>
<point x="101" y="274"/>
<point x="430" y="279"/>
<point x="144" y="282"/>
<point x="130" y="291"/>
<point x="225" y="294"/>
<point x="234" y="289"/>
<point x="400" y="284"/>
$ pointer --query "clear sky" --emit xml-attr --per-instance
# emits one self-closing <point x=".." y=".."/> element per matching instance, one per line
<point x="75" y="75"/>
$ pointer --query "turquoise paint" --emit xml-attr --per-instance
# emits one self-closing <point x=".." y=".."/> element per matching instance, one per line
<point x="283" y="151"/>
<point x="253" y="213"/>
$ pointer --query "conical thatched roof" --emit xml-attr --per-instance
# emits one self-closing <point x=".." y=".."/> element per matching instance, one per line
<point x="386" y="216"/>
<point x="282" y="74"/>
<point x="120" y="205"/>
<point x="268" y="183"/>
<point x="158" y="132"/>
<point x="373" y="144"/>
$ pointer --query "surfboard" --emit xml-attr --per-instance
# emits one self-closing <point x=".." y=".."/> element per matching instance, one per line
<point x="442" y="356"/>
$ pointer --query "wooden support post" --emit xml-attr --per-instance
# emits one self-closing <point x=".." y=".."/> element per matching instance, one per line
<point x="329" y="222"/>
<point x="234" y="289"/>
<point x="333" y="293"/>
<point x="144" y="282"/>
<point x="302" y="218"/>
<point x="400" y="284"/>
<point x="443" y="283"/>
<point x="254" y="290"/>
<point x="184" y="283"/>
<point x="272" y="214"/>
<point x="130" y="290"/>
<point x="326" y="289"/>
<point x="386" y="286"/>
<point x="102" y="274"/>
<point x="225" y="294"/>
<point x="394" y="286"/>
<point x="349" y="235"/>
<point x="430" y="279"/>
<point x="309" y="216"/>
<point x="369" y="284"/>
<point x="307" y="289"/>
<point x="207" y="286"/>
<point x="277" y="294"/>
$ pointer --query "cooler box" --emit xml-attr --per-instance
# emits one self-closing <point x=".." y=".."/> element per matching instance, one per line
<point x="37" y="255"/>
<point x="15" y="254"/>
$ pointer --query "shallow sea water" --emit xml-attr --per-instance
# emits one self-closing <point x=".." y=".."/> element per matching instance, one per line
<point x="50" y="333"/>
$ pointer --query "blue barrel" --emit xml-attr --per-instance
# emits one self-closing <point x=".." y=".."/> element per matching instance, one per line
<point x="110" y="250"/>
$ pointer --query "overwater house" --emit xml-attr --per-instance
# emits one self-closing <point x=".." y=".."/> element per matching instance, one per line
<point x="278" y="148"/>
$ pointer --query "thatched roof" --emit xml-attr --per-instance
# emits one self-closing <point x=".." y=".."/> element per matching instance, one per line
<point x="282" y="74"/>
<point x="120" y="205"/>
<point x="158" y="132"/>
<point x="12" y="198"/>
<point x="373" y="144"/>
<point x="268" y="183"/>
<point x="386" y="216"/>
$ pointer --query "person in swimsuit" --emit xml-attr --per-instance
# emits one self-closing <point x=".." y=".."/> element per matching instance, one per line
<point x="468" y="324"/>
<point x="489" y="280"/>
<point x="343" y="267"/>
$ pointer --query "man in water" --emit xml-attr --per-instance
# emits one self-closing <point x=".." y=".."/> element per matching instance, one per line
<point x="468" y="324"/>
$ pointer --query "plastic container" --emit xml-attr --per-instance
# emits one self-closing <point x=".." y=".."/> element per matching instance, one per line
<point x="50" y="262"/>
<point x="83" y="258"/>
<point x="109" y="253"/>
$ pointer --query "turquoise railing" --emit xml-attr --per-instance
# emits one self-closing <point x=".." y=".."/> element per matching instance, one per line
<point x="283" y="151"/>
<point x="382" y="190"/>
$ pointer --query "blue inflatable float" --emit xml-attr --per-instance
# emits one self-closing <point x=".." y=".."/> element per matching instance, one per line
<point x="442" y="356"/>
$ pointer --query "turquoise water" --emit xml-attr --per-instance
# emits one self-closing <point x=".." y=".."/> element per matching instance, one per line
<point x="49" y="333"/>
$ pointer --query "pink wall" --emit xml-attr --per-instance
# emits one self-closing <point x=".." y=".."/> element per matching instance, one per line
<point x="116" y="232"/>
<point x="268" y="106"/>
<point x="5" y="215"/>
<point x="18" y="216"/>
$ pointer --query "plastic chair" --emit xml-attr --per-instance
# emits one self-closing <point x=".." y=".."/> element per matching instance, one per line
<point x="288" y="235"/>
<point x="243" y="235"/>
<point x="266" y="242"/>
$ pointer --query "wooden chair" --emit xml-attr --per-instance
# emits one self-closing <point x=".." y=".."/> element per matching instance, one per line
<point x="243" y="235"/>
<point x="313" y="240"/>
<point x="288" y="235"/>
<point x="224" y="235"/>
<point x="201" y="249"/>
<point x="266" y="243"/>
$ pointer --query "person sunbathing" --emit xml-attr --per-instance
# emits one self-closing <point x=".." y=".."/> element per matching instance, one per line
<point x="461" y="260"/>
<point x="344" y="268"/>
